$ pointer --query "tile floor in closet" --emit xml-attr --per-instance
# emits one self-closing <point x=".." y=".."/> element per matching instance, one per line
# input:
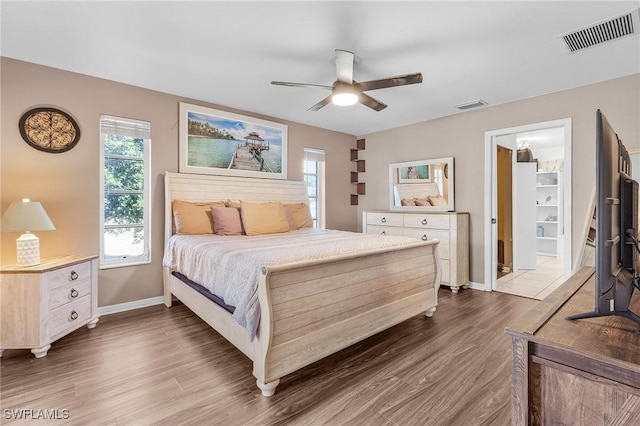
<point x="535" y="284"/>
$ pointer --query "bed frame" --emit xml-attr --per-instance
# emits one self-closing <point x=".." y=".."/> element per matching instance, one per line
<point x="309" y="309"/>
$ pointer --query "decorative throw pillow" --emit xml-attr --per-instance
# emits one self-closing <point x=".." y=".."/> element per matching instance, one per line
<point x="292" y="220"/>
<point x="226" y="221"/>
<point x="422" y="201"/>
<point x="301" y="214"/>
<point x="194" y="218"/>
<point x="263" y="218"/>
<point x="437" y="200"/>
<point x="408" y="202"/>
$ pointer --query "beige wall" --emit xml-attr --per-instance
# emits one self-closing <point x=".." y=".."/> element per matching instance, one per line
<point x="67" y="184"/>
<point x="462" y="136"/>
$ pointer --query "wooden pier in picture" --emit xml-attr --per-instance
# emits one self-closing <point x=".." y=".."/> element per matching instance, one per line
<point x="248" y="155"/>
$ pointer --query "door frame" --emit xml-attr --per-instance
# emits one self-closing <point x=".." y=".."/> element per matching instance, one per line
<point x="490" y="188"/>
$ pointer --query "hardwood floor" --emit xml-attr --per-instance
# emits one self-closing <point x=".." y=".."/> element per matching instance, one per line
<point x="166" y="366"/>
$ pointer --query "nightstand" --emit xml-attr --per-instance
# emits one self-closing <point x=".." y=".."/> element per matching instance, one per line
<point x="40" y="304"/>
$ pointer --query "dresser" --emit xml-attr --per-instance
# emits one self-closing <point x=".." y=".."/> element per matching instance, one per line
<point x="584" y="372"/>
<point x="452" y="229"/>
<point x="40" y="304"/>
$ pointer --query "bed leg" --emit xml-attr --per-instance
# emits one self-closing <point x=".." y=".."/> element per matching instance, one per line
<point x="268" y="389"/>
<point x="429" y="312"/>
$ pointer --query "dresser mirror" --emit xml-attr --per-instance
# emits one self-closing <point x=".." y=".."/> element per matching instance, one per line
<point x="424" y="185"/>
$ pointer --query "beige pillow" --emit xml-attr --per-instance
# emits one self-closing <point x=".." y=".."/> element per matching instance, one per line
<point x="292" y="220"/>
<point x="194" y="218"/>
<point x="226" y="221"/>
<point x="263" y="218"/>
<point x="301" y="215"/>
<point x="437" y="200"/>
<point x="422" y="201"/>
<point x="408" y="202"/>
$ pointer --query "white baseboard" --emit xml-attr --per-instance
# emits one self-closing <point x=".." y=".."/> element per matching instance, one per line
<point x="128" y="306"/>
<point x="477" y="286"/>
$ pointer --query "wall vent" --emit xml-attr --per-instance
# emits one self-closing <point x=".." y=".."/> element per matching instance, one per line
<point x="601" y="32"/>
<point x="472" y="104"/>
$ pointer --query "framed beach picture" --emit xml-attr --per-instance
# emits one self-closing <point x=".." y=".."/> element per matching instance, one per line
<point x="414" y="174"/>
<point x="223" y="143"/>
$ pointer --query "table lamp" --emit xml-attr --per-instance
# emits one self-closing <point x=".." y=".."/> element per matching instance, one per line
<point x="26" y="216"/>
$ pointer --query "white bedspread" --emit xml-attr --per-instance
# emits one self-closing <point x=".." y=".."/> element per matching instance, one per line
<point x="230" y="266"/>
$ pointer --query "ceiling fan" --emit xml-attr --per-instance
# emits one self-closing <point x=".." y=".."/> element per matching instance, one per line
<point x="346" y="91"/>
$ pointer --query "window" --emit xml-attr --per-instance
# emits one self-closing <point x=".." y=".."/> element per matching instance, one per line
<point x="125" y="158"/>
<point x="314" y="178"/>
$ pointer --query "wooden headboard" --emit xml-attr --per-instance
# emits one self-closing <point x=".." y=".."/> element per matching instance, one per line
<point x="194" y="187"/>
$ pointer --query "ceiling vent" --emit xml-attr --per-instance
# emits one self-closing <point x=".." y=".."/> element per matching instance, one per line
<point x="472" y="104"/>
<point x="601" y="32"/>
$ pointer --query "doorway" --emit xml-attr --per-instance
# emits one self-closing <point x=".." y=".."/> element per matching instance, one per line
<point x="550" y="193"/>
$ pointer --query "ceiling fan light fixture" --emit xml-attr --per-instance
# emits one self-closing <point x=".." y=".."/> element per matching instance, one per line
<point x="344" y="99"/>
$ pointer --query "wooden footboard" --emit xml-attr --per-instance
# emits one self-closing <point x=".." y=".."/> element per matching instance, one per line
<point x="310" y="310"/>
<point x="315" y="309"/>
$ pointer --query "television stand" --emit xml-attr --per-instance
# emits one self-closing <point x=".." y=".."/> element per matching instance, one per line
<point x="575" y="372"/>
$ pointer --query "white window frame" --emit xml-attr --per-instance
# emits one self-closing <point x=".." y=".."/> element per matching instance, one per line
<point x="142" y="130"/>
<point x="317" y="155"/>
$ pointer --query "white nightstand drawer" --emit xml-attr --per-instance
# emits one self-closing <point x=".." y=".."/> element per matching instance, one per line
<point x="384" y="219"/>
<point x="384" y="230"/>
<point x="78" y="272"/>
<point x="430" y="234"/>
<point x="68" y="293"/>
<point x="70" y="316"/>
<point x="437" y="221"/>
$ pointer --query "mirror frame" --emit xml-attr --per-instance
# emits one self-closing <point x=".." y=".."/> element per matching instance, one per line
<point x="393" y="167"/>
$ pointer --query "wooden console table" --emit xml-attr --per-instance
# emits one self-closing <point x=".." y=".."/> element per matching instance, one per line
<point x="584" y="372"/>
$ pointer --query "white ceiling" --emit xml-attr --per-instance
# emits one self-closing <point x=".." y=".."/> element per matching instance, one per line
<point x="227" y="53"/>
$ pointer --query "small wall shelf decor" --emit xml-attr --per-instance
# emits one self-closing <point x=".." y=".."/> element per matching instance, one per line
<point x="360" y="168"/>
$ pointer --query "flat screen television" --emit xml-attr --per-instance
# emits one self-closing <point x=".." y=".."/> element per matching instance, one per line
<point x="617" y="261"/>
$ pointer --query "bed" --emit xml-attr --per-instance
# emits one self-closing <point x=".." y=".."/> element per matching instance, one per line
<point x="371" y="290"/>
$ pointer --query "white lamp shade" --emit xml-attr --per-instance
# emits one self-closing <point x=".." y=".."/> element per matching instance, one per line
<point x="26" y="215"/>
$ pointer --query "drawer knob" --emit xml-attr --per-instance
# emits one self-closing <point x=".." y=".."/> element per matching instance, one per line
<point x="424" y="237"/>
<point x="383" y="220"/>
<point x="424" y="221"/>
<point x="73" y="316"/>
<point x="74" y="293"/>
<point x="383" y="233"/>
<point x="73" y="276"/>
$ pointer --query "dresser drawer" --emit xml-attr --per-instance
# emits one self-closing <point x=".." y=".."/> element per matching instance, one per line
<point x="385" y="219"/>
<point x="70" y="316"/>
<point x="384" y="230"/>
<point x="437" y="221"/>
<point x="430" y="234"/>
<point x="62" y="276"/>
<point x="69" y="292"/>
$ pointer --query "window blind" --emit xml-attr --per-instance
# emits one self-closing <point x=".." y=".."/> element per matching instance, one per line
<point x="125" y="127"/>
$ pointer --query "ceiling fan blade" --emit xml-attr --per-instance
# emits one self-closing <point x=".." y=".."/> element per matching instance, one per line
<point x="344" y="66"/>
<point x="372" y="103"/>
<point x="321" y="104"/>
<point x="285" y="83"/>
<point x="399" y="80"/>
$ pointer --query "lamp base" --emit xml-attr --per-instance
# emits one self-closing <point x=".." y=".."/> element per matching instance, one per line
<point x="28" y="246"/>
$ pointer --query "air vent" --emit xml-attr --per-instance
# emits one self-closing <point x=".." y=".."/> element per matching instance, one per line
<point x="472" y="104"/>
<point x="601" y="32"/>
